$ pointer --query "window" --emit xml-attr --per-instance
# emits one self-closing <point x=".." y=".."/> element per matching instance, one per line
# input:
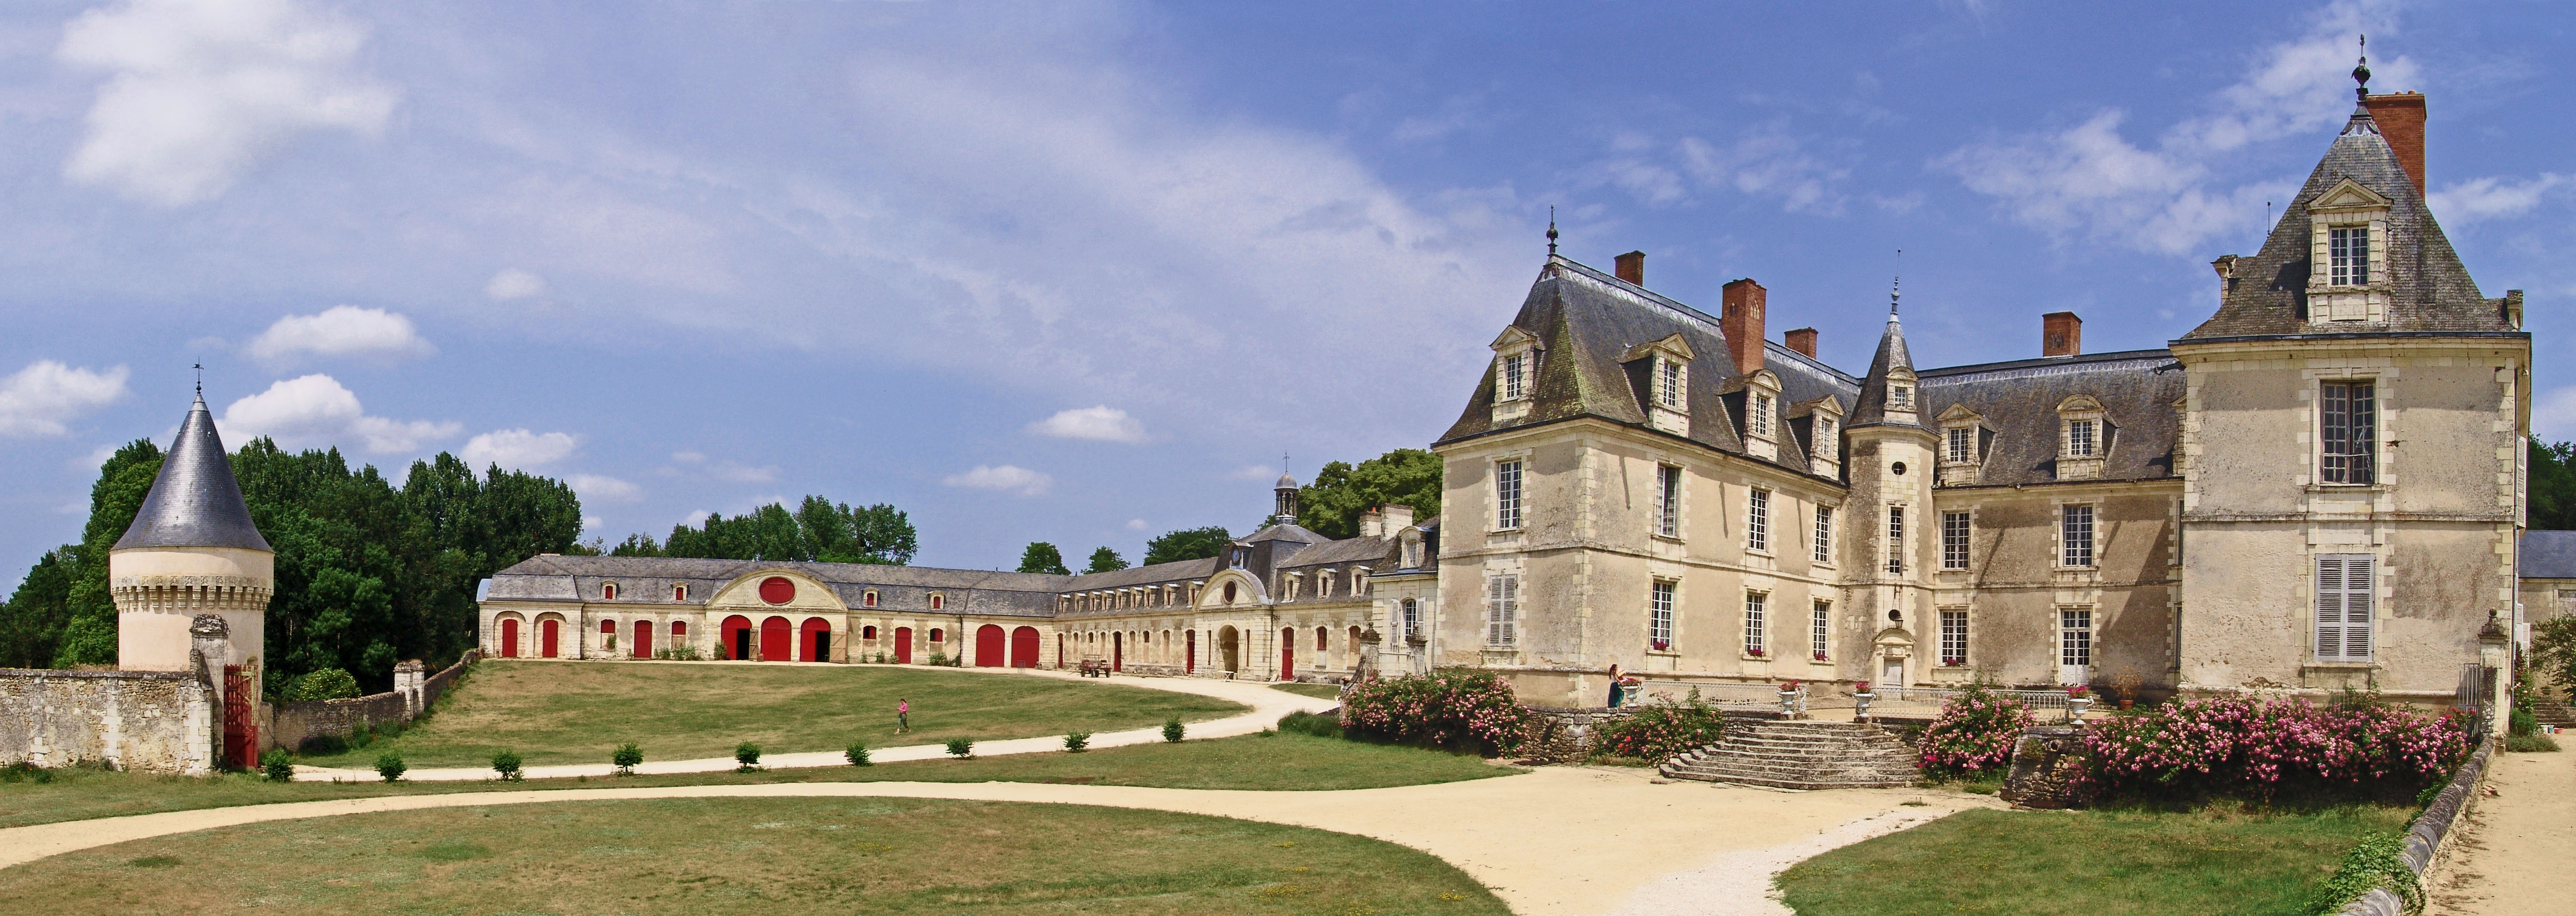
<point x="938" y="635"/>
<point x="1900" y="397"/>
<point x="2075" y="526"/>
<point x="1820" y="629"/>
<point x="2348" y="253"/>
<point x="2075" y="638"/>
<point x="1760" y="425"/>
<point x="1668" y="383"/>
<point x="608" y="591"/>
<point x="1668" y="501"/>
<point x="1754" y="604"/>
<point x="1825" y="443"/>
<point x="1659" y="616"/>
<point x="2079" y="438"/>
<point x="1954" y="540"/>
<point x="1412" y="619"/>
<point x="679" y="629"/>
<point x="1896" y="540"/>
<point x="1515" y="376"/>
<point x="1824" y="534"/>
<point x="1954" y="637"/>
<point x="2350" y="420"/>
<point x="679" y="593"/>
<point x="1507" y="495"/>
<point x="1323" y="583"/>
<point x="1320" y="633"/>
<point x="2346" y="590"/>
<point x="867" y="632"/>
<point x="937" y="601"/>
<point x="1958" y="445"/>
<point x="1757" y="520"/>
<point x="1502" y="609"/>
<point x="868" y="598"/>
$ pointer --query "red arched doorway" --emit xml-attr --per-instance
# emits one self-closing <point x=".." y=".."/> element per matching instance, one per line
<point x="1190" y="642"/>
<point x="774" y="642"/>
<point x="1059" y="650"/>
<point x="1024" y="647"/>
<point x="988" y="646"/>
<point x="814" y="640"/>
<point x="903" y="645"/>
<point x="548" y="633"/>
<point x="735" y="641"/>
<point x="1117" y="651"/>
<point x="509" y="638"/>
<point x="643" y="639"/>
<point x="1288" y="654"/>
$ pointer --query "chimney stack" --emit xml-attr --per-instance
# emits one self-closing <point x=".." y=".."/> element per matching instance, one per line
<point x="1632" y="268"/>
<point x="1372" y="524"/>
<point x="1741" y="319"/>
<point x="2061" y="334"/>
<point x="1802" y="340"/>
<point x="2400" y="116"/>
<point x="1396" y="517"/>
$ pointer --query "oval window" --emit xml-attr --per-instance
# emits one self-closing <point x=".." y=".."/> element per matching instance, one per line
<point x="1898" y="468"/>
<point x="777" y="590"/>
<point x="1229" y="593"/>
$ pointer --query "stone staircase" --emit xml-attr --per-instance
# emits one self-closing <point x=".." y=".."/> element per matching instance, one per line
<point x="2553" y="711"/>
<point x="1791" y="754"/>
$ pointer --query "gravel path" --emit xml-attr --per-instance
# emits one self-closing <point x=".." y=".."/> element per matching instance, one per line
<point x="2510" y="855"/>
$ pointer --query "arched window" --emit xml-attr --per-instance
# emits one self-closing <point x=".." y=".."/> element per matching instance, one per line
<point x="1320" y="634"/>
<point x="867" y="632"/>
<point x="679" y="593"/>
<point x="937" y="634"/>
<point x="679" y="630"/>
<point x="608" y="628"/>
<point x="937" y="601"/>
<point x="608" y="591"/>
<point x="1149" y="637"/>
<point x="868" y="598"/>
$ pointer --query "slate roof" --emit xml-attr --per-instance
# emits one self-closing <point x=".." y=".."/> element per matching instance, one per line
<point x="648" y="580"/>
<point x="2018" y="400"/>
<point x="194" y="502"/>
<point x="2430" y="289"/>
<point x="1891" y="356"/>
<point x="2547" y="555"/>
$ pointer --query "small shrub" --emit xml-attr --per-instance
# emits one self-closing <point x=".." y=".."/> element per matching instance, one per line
<point x="1975" y="733"/>
<point x="2377" y="862"/>
<point x="2523" y="722"/>
<point x="1663" y="730"/>
<point x="938" y="658"/>
<point x="1307" y="723"/>
<point x="1077" y="742"/>
<point x="625" y="758"/>
<point x="326" y="684"/>
<point x="1450" y="708"/>
<point x="1173" y="730"/>
<point x="276" y="766"/>
<point x="857" y="754"/>
<point x="747" y="755"/>
<point x="26" y="771"/>
<point x="961" y="748"/>
<point x="506" y="763"/>
<point x="390" y="766"/>
<point x="2526" y="744"/>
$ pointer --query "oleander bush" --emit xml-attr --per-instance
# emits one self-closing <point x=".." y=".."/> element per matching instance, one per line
<point x="1454" y="709"/>
<point x="1974" y="735"/>
<point x="2266" y="750"/>
<point x="1662" y="730"/>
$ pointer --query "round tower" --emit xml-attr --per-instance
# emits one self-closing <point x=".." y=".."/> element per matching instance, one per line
<point x="191" y="550"/>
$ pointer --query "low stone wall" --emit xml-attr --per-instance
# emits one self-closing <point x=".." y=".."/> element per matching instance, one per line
<point x="2045" y="764"/>
<point x="2424" y="840"/>
<point x="159" y="721"/>
<point x="1567" y="734"/>
<point x="289" y="725"/>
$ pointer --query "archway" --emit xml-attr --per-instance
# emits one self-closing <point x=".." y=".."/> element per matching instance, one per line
<point x="548" y="633"/>
<point x="1190" y="640"/>
<point x="1117" y="651"/>
<point x="774" y="639"/>
<point x="1288" y="654"/>
<point x="814" y="639"/>
<point x="903" y="645"/>
<point x="734" y="638"/>
<point x="1059" y="650"/>
<point x="509" y="638"/>
<point x="1229" y="649"/>
<point x="1352" y="649"/>
<point x="988" y="646"/>
<point x="643" y="639"/>
<point x="1024" y="647"/>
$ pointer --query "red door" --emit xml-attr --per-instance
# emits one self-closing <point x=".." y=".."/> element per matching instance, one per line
<point x="643" y="639"/>
<point x="814" y="640"/>
<point x="903" y="645"/>
<point x="1288" y="655"/>
<point x="1117" y="651"/>
<point x="988" y="646"/>
<point x="1024" y="647"/>
<point x="1191" y="640"/>
<point x="1059" y="650"/>
<point x="546" y="637"/>
<point x="241" y="728"/>
<point x="773" y="639"/>
<point x="734" y="638"/>
<point x="509" y="639"/>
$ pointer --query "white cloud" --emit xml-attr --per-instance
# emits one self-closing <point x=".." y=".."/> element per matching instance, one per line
<point x="598" y="488"/>
<point x="696" y="518"/>
<point x="40" y="399"/>
<point x="1260" y="472"/>
<point x="1135" y="524"/>
<point x="97" y="458"/>
<point x="590" y="523"/>
<point x="1769" y="164"/>
<point x="316" y="410"/>
<point x="200" y="90"/>
<point x="1005" y="477"/>
<point x="516" y="448"/>
<point x="2553" y="416"/>
<point x="514" y="283"/>
<point x="341" y="330"/>
<point x="2483" y="198"/>
<point x="1103" y="423"/>
<point x="743" y="473"/>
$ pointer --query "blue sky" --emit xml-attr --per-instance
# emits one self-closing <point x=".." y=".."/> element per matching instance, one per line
<point x="1084" y="272"/>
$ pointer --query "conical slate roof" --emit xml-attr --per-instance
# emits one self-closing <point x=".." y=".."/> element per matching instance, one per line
<point x="1872" y="407"/>
<point x="195" y="502"/>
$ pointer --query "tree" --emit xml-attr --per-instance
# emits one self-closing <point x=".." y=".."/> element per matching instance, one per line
<point x="2551" y="504"/>
<point x="636" y="545"/>
<point x="88" y="635"/>
<point x="819" y="530"/>
<point x="1106" y="560"/>
<point x="31" y="624"/>
<point x="1187" y="544"/>
<point x="1042" y="557"/>
<point x="1331" y="505"/>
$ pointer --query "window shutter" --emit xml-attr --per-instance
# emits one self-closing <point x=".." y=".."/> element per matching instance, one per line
<point x="2345" y="591"/>
<point x="1511" y="609"/>
<point x="2358" y="586"/>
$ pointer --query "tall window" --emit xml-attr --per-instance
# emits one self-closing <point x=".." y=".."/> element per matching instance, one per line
<point x="1502" y="609"/>
<point x="1754" y="628"/>
<point x="1412" y="619"/>
<point x="1659" y="616"/>
<point x="937" y="602"/>
<point x="1668" y="501"/>
<point x="608" y="592"/>
<point x="1761" y="410"/>
<point x="1825" y="444"/>
<point x="1820" y="629"/>
<point x="1824" y="534"/>
<point x="1958" y="444"/>
<point x="2080" y="438"/>
<point x="1900" y="397"/>
<point x="1757" y="520"/>
<point x="1896" y="540"/>
<point x="2075" y="638"/>
<point x="1507" y="495"/>
<point x="1954" y="540"/>
<point x="679" y="593"/>
<point x="2350" y="421"/>
<point x="2348" y="251"/>
<point x="1954" y="637"/>
<point x="1515" y="379"/>
<point x="1668" y="383"/>
<point x="2346" y="590"/>
<point x="2075" y="534"/>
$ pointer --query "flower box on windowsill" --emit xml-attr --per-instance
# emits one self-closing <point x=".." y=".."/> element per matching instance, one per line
<point x="1659" y="646"/>
<point x="1817" y="656"/>
<point x="1952" y="674"/>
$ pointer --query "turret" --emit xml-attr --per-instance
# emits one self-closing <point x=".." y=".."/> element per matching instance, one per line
<point x="192" y="550"/>
<point x="1889" y="509"/>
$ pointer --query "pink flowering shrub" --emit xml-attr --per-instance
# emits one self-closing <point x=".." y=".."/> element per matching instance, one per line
<point x="1462" y="710"/>
<point x="2267" y="749"/>
<point x="1974" y="735"/>
<point x="1663" y="730"/>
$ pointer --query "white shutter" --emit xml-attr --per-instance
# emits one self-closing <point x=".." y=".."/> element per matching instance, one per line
<point x="1502" y="605"/>
<point x="2329" y="607"/>
<point x="1511" y="609"/>
<point x="2346" y="587"/>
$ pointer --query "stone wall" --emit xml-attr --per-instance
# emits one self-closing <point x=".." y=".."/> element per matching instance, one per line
<point x="289" y="725"/>
<point x="157" y="721"/>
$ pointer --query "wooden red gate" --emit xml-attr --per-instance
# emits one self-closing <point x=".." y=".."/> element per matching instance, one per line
<point x="241" y="727"/>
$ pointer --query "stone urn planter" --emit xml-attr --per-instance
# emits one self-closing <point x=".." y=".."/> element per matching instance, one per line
<point x="1788" y="703"/>
<point x="1860" y="702"/>
<point x="2075" y="707"/>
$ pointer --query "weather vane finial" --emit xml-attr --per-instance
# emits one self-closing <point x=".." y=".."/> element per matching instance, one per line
<point x="2361" y="73"/>
<point x="1551" y="230"/>
<point x="1895" y="286"/>
<point x="201" y="380"/>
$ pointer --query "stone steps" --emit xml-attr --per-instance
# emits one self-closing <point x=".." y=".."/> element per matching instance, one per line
<point x="2553" y="712"/>
<point x="1800" y="755"/>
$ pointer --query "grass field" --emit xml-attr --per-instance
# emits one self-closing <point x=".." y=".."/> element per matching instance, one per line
<point x="2089" y="863"/>
<point x="770" y="856"/>
<point x="558" y="712"/>
<point x="1279" y="762"/>
<point x="1318" y="691"/>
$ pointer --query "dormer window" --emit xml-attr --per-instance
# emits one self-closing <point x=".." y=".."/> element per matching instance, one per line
<point x="1668" y="384"/>
<point x="1516" y="358"/>
<point x="1959" y="445"/>
<point x="868" y="598"/>
<point x="608" y="591"/>
<point x="1515" y="376"/>
<point x="1761" y="411"/>
<point x="2084" y="438"/>
<point x="2080" y="438"/>
<point x="1900" y="397"/>
<point x="2348" y="255"/>
<point x="937" y="602"/>
<point x="679" y="593"/>
<point x="1825" y="441"/>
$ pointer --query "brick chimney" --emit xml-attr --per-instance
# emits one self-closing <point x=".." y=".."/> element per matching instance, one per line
<point x="1741" y="318"/>
<point x="1802" y="340"/>
<point x="2400" y="116"/>
<point x="2061" y="334"/>
<point x="1632" y="268"/>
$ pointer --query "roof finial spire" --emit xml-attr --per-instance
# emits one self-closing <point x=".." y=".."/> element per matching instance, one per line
<point x="201" y="380"/>
<point x="2361" y="73"/>
<point x="1551" y="230"/>
<point x="1895" y="286"/>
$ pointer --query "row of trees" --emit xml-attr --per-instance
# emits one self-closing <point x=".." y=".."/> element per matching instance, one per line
<point x="819" y="530"/>
<point x="1330" y="506"/>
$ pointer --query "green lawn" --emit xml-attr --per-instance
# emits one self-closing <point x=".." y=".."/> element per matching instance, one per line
<point x="1278" y="762"/>
<point x="2089" y="863"/>
<point x="576" y="712"/>
<point x="1318" y="691"/>
<point x="781" y="856"/>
